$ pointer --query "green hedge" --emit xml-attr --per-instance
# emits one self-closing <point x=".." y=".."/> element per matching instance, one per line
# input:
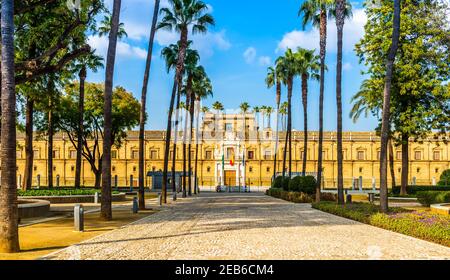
<point x="57" y="192"/>
<point x="420" y="224"/>
<point x="415" y="189"/>
<point x="278" y="183"/>
<point x="299" y="197"/>
<point x="432" y="197"/>
<point x="296" y="197"/>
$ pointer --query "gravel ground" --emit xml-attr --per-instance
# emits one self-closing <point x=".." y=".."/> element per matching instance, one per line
<point x="249" y="226"/>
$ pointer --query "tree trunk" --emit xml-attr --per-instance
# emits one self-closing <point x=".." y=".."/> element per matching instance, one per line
<point x="391" y="163"/>
<point x="106" y="209"/>
<point x="50" y="147"/>
<point x="305" y="121"/>
<point x="340" y="8"/>
<point x="405" y="164"/>
<point x="386" y="108"/>
<point x="78" y="167"/>
<point x="323" y="49"/>
<point x="290" y="86"/>
<point x="278" y="99"/>
<point x="143" y="111"/>
<point x="29" y="155"/>
<point x="184" y="146"/>
<point x="98" y="178"/>
<point x="174" y="155"/>
<point x="177" y="82"/>
<point x="9" y="232"/>
<point x="191" y="110"/>
<point x="197" y="117"/>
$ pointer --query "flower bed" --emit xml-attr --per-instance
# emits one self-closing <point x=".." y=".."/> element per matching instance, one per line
<point x="421" y="224"/>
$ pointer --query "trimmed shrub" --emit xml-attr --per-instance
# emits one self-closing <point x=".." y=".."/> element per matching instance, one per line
<point x="296" y="197"/>
<point x="285" y="183"/>
<point x="415" y="189"/>
<point x="327" y="197"/>
<point x="278" y="183"/>
<point x="309" y="185"/>
<point x="445" y="178"/>
<point x="57" y="192"/>
<point x="295" y="184"/>
<point x="429" y="198"/>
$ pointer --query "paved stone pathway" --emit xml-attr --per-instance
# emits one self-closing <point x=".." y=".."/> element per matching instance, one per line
<point x="249" y="226"/>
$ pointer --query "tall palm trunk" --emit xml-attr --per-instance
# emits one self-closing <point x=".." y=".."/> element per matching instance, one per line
<point x="82" y="76"/>
<point x="50" y="146"/>
<point x="29" y="155"/>
<point x="405" y="164"/>
<point x="177" y="83"/>
<point x="143" y="106"/>
<point x="9" y="232"/>
<point x="197" y="118"/>
<point x="340" y="8"/>
<point x="323" y="49"/>
<point x="174" y="154"/>
<point x="288" y="141"/>
<point x="305" y="121"/>
<point x="106" y="209"/>
<point x="391" y="163"/>
<point x="386" y="108"/>
<point x="185" y="132"/>
<point x="278" y="99"/>
<point x="191" y="111"/>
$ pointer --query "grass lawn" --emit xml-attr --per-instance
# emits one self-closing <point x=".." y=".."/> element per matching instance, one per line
<point x="44" y="238"/>
<point x="416" y="223"/>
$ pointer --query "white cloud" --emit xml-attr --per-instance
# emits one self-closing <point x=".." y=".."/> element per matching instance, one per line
<point x="353" y="32"/>
<point x="250" y="55"/>
<point x="100" y="44"/>
<point x="347" y="66"/>
<point x="265" y="61"/>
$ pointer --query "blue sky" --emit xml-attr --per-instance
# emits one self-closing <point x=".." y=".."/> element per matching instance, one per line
<point x="248" y="37"/>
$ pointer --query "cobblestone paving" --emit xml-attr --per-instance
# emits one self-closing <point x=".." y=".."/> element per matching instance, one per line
<point x="249" y="226"/>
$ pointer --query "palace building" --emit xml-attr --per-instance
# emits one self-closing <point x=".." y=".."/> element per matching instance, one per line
<point x="237" y="151"/>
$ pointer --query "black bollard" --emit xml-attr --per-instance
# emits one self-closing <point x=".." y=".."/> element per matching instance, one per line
<point x="78" y="217"/>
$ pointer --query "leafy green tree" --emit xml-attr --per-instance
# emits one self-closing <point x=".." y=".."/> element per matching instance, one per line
<point x="125" y="116"/>
<point x="419" y="94"/>
<point x="181" y="16"/>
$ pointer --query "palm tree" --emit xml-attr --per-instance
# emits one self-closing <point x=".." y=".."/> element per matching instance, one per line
<point x="105" y="27"/>
<point x="342" y="11"/>
<point x="269" y="112"/>
<point x="218" y="107"/>
<point x="283" y="113"/>
<point x="256" y="111"/>
<point x="143" y="106"/>
<point x="315" y="12"/>
<point x="106" y="209"/>
<point x="308" y="68"/>
<point x="202" y="89"/>
<point x="245" y="107"/>
<point x="93" y="62"/>
<point x="182" y="15"/>
<point x="288" y="68"/>
<point x="262" y="109"/>
<point x="170" y="55"/>
<point x="385" y="125"/>
<point x="9" y="216"/>
<point x="273" y="79"/>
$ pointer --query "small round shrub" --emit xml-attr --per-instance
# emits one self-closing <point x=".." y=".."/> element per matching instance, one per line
<point x="295" y="184"/>
<point x="308" y="185"/>
<point x="285" y="183"/>
<point x="278" y="182"/>
<point x="445" y="178"/>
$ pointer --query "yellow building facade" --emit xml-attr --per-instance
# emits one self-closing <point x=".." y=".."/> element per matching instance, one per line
<point x="234" y="150"/>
